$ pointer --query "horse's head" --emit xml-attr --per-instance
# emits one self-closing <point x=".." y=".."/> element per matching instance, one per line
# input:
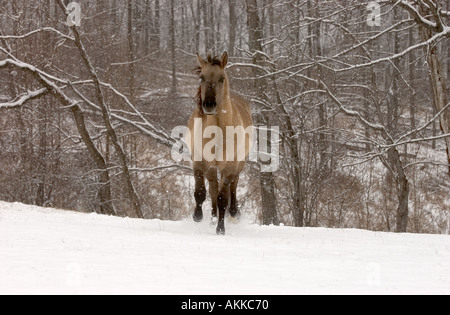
<point x="214" y="82"/>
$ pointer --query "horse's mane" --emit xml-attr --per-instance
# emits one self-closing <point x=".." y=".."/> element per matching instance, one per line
<point x="199" y="100"/>
<point x="213" y="61"/>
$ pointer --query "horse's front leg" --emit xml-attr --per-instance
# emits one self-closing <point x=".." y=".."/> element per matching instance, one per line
<point x="223" y="200"/>
<point x="200" y="194"/>
<point x="211" y="176"/>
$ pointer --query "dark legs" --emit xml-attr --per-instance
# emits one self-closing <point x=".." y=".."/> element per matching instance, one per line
<point x="225" y="199"/>
<point x="200" y="194"/>
<point x="222" y="203"/>
<point x="222" y="196"/>
<point x="213" y="190"/>
<point x="234" y="210"/>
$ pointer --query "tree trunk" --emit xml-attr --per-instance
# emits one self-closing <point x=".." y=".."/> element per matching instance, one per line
<point x="315" y="50"/>
<point x="157" y="31"/>
<point x="147" y="27"/>
<point x="267" y="182"/>
<point x="104" y="192"/>
<point x="198" y="24"/>
<point x="402" y="190"/>
<point x="412" y="79"/>
<point x="133" y="198"/>
<point x="292" y="141"/>
<point x="206" y="25"/>
<point x="212" y="26"/>
<point x="131" y="50"/>
<point x="41" y="154"/>
<point x="183" y="26"/>
<point x="172" y="47"/>
<point x="440" y="96"/>
<point x="296" y="173"/>
<point x="271" y="27"/>
<point x="232" y="27"/>
<point x="448" y="54"/>
<point x="438" y="83"/>
<point x="395" y="161"/>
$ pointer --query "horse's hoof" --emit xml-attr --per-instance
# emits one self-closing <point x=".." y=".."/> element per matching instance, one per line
<point x="220" y="230"/>
<point x="235" y="214"/>
<point x="198" y="217"/>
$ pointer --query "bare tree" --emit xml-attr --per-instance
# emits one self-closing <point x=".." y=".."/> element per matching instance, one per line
<point x="85" y="116"/>
<point x="266" y="178"/>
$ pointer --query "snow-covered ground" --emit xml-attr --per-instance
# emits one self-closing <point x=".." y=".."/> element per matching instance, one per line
<point x="46" y="251"/>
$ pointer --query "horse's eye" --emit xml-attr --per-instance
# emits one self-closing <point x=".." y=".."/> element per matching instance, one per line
<point x="202" y="78"/>
<point x="222" y="79"/>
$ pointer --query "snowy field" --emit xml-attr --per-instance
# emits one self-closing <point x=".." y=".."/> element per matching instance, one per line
<point x="46" y="251"/>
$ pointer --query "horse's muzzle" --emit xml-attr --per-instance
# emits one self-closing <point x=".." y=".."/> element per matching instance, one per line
<point x="210" y="107"/>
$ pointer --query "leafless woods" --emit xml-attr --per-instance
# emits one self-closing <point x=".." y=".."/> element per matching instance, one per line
<point x="89" y="96"/>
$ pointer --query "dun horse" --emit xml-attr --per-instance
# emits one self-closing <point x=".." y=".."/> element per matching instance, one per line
<point x="218" y="108"/>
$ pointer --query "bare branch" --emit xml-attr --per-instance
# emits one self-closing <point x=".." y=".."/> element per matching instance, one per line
<point x="23" y="99"/>
<point x="354" y="113"/>
<point x="37" y="74"/>
<point x="433" y="39"/>
<point x="417" y="16"/>
<point x="134" y="199"/>
<point x="417" y="130"/>
<point x="44" y="29"/>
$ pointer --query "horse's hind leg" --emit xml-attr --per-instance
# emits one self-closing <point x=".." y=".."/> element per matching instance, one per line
<point x="234" y="209"/>
<point x="200" y="194"/>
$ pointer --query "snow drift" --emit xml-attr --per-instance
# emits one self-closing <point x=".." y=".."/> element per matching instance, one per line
<point x="46" y="251"/>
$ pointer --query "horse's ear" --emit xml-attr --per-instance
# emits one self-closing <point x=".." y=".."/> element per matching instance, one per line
<point x="201" y="61"/>
<point x="224" y="60"/>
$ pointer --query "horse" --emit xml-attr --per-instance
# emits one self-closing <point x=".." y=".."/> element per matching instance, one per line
<point x="226" y="114"/>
